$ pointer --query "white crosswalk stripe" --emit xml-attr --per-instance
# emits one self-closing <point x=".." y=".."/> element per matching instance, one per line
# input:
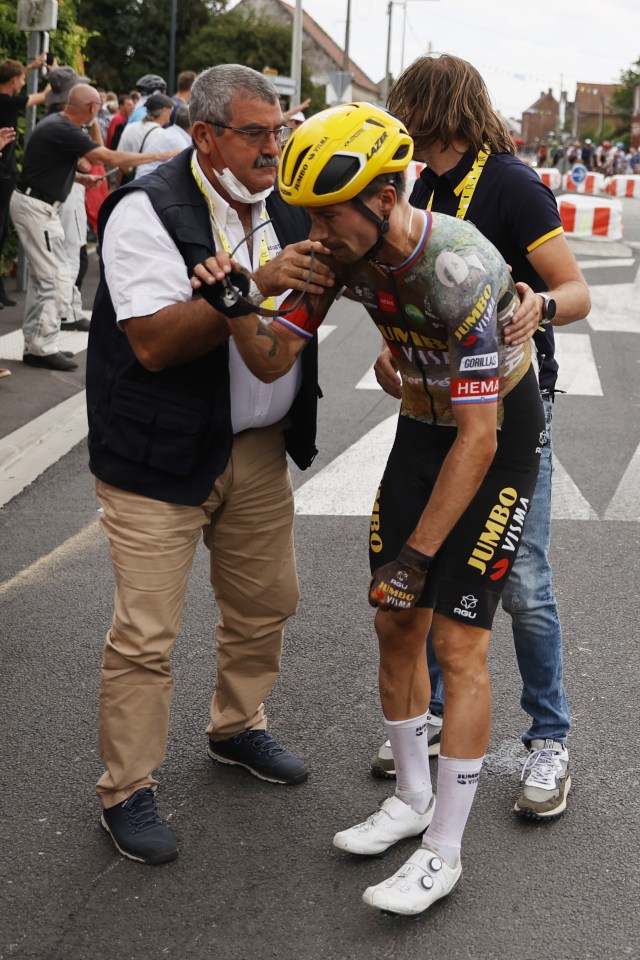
<point x="578" y="374"/>
<point x="347" y="485"/>
<point x="12" y="344"/>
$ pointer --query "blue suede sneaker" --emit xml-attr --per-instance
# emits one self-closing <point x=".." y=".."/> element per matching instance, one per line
<point x="261" y="755"/>
<point x="138" y="831"/>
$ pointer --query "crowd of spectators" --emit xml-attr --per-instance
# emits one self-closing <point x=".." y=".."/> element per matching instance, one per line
<point x="606" y="157"/>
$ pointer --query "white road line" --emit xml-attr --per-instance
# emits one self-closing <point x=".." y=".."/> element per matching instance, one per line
<point x="368" y="382"/>
<point x="604" y="262"/>
<point x="12" y="344"/>
<point x="346" y="487"/>
<point x="625" y="503"/>
<point x="29" y="451"/>
<point x="578" y="372"/>
<point x="324" y="331"/>
<point x="614" y="307"/>
<point x="567" y="503"/>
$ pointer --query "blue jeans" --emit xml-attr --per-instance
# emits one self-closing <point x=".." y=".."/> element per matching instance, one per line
<point x="528" y="598"/>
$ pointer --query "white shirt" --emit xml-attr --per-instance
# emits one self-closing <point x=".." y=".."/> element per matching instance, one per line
<point x="135" y="134"/>
<point x="169" y="138"/>
<point x="145" y="272"/>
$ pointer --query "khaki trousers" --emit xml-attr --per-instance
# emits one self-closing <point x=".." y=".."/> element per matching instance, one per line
<point x="247" y="524"/>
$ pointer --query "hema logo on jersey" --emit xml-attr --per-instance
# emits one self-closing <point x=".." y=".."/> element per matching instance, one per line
<point x="475" y="391"/>
<point x="484" y="361"/>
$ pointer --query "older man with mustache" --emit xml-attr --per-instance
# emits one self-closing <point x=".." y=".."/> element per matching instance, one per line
<point x="185" y="441"/>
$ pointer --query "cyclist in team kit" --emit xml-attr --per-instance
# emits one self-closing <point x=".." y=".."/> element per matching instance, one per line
<point x="448" y="516"/>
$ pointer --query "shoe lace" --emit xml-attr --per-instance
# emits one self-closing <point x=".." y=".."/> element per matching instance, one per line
<point x="141" y="810"/>
<point x="263" y="742"/>
<point x="540" y="765"/>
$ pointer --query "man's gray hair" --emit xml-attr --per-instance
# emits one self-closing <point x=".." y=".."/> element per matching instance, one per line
<point x="214" y="90"/>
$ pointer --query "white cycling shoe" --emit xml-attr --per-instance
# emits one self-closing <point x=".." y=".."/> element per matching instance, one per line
<point x="395" y="820"/>
<point x="423" y="879"/>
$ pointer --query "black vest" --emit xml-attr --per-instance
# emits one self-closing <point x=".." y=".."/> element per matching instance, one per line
<point x="167" y="435"/>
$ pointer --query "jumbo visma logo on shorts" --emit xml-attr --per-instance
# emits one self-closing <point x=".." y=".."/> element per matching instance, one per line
<point x="502" y="531"/>
<point x="375" y="540"/>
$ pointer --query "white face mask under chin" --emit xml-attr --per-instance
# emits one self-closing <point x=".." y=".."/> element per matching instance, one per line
<point x="236" y="190"/>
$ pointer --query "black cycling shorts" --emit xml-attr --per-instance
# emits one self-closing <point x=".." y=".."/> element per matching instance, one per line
<point x="471" y="568"/>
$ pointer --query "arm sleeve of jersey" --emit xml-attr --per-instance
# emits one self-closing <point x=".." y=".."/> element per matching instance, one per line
<point x="531" y="209"/>
<point x="308" y="315"/>
<point x="473" y="350"/>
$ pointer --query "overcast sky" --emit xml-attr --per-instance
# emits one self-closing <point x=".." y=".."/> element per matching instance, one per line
<point x="521" y="48"/>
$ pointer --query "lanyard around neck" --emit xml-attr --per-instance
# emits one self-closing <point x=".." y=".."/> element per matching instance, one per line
<point x="469" y="184"/>
<point x="226" y="246"/>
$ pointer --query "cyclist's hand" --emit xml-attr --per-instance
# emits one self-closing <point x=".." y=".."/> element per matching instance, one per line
<point x="386" y="371"/>
<point x="398" y="585"/>
<point x="292" y="267"/>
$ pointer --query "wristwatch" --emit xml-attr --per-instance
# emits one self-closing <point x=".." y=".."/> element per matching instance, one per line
<point x="548" y="308"/>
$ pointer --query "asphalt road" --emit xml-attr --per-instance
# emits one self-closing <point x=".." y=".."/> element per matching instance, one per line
<point x="257" y="876"/>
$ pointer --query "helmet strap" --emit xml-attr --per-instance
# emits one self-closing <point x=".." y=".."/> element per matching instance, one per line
<point x="382" y="224"/>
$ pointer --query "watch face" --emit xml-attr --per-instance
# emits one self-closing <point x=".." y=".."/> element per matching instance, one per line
<point x="550" y="308"/>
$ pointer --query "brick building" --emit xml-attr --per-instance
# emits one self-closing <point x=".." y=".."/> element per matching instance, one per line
<point x="322" y="55"/>
<point x="591" y="111"/>
<point x="635" y="118"/>
<point x="540" y="119"/>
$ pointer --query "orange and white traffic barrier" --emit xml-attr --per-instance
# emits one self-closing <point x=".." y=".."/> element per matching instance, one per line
<point x="551" y="176"/>
<point x="624" y="185"/>
<point x="591" y="218"/>
<point x="593" y="183"/>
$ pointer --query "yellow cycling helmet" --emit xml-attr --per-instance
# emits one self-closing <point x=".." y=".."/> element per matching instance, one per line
<point x="335" y="154"/>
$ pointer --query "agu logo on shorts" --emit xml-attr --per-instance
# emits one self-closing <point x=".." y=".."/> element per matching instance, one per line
<point x="467" y="607"/>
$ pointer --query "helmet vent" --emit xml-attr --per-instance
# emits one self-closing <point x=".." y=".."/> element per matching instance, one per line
<point x="339" y="171"/>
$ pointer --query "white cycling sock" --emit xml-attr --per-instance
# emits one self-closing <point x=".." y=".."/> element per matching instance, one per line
<point x="410" y="747"/>
<point x="457" y="783"/>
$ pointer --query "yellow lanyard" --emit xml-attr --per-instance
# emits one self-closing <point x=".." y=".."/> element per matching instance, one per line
<point x="469" y="184"/>
<point x="270" y="302"/>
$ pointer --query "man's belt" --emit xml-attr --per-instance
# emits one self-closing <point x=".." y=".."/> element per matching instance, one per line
<point x="36" y="194"/>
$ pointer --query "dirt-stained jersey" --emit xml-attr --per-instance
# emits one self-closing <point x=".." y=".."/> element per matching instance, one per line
<point x="442" y="313"/>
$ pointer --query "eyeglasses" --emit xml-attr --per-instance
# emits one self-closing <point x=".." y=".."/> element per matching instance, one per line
<point x="257" y="135"/>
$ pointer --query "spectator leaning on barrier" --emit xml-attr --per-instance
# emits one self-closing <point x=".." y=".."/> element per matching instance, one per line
<point x="48" y="173"/>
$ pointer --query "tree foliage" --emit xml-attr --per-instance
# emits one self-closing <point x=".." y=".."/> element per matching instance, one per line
<point x="132" y="37"/>
<point x="622" y="99"/>
<point x="67" y="41"/>
<point x="241" y="36"/>
<point x="129" y="39"/>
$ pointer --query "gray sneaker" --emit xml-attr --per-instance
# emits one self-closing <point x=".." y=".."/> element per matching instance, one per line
<point x="383" y="765"/>
<point x="545" y="780"/>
